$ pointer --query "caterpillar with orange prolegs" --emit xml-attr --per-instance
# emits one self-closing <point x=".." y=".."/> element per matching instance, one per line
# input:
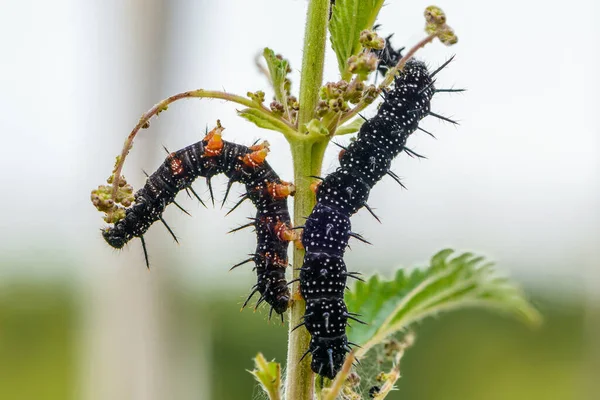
<point x="247" y="165"/>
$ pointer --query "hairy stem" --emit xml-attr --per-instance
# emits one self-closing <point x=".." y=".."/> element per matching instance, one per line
<point x="389" y="77"/>
<point x="299" y="376"/>
<point x="311" y="77"/>
<point x="308" y="158"/>
<point x="164" y="104"/>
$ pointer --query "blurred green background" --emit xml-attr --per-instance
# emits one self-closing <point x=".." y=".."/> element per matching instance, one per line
<point x="468" y="355"/>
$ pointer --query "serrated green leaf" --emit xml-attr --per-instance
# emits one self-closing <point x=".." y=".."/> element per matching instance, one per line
<point x="265" y="121"/>
<point x="447" y="284"/>
<point x="350" y="127"/>
<point x="278" y="70"/>
<point x="268" y="375"/>
<point x="349" y="18"/>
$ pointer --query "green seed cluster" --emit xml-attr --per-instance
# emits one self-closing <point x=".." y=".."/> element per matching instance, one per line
<point x="363" y="64"/>
<point x="113" y="208"/>
<point x="435" y="20"/>
<point x="258" y="97"/>
<point x="370" y="40"/>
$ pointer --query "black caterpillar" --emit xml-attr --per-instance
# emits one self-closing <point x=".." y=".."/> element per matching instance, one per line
<point x="341" y="194"/>
<point x="239" y="163"/>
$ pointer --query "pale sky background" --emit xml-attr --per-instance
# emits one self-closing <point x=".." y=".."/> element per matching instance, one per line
<point x="517" y="180"/>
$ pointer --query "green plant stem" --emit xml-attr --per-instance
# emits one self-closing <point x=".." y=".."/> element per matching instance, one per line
<point x="307" y="156"/>
<point x="311" y="77"/>
<point x="299" y="376"/>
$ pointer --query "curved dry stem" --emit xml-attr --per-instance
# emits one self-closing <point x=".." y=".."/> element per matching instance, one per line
<point x="389" y="78"/>
<point x="394" y="374"/>
<point x="164" y="104"/>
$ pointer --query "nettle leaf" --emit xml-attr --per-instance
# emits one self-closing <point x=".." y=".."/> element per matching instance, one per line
<point x="268" y="375"/>
<point x="278" y="69"/>
<point x="449" y="283"/>
<point x="349" y="18"/>
<point x="265" y="121"/>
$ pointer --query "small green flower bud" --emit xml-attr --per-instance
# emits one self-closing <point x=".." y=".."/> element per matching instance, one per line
<point x="431" y="28"/>
<point x="435" y="15"/>
<point x="447" y="36"/>
<point x="353" y="379"/>
<point x="381" y="377"/>
<point x="370" y="93"/>
<point x="362" y="65"/>
<point x="322" y="108"/>
<point x="338" y="104"/>
<point x="436" y="25"/>
<point x="331" y="90"/>
<point x="342" y="86"/>
<point x="277" y="108"/>
<point x="370" y="40"/>
<point x="354" y="92"/>
<point x="115" y="215"/>
<point x="293" y="103"/>
<point x="258" y="96"/>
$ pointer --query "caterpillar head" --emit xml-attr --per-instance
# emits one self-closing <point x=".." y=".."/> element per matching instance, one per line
<point x="328" y="355"/>
<point x="115" y="237"/>
<point x="282" y="300"/>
